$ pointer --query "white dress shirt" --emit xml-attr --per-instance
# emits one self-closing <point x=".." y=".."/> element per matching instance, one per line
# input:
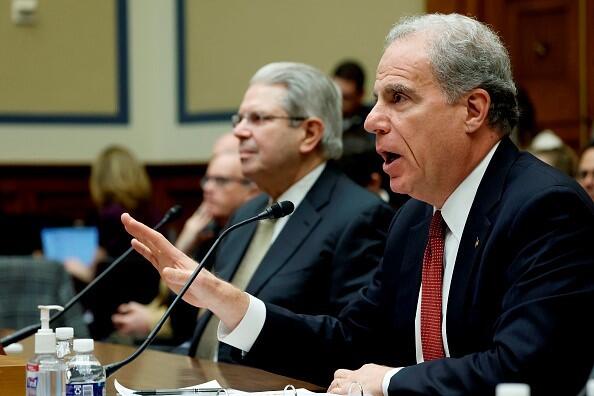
<point x="455" y="211"/>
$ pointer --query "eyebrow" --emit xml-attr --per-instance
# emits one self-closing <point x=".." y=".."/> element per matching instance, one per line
<point x="394" y="88"/>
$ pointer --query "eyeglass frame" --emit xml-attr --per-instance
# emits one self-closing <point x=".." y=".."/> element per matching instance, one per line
<point x="256" y="118"/>
<point x="222" y="181"/>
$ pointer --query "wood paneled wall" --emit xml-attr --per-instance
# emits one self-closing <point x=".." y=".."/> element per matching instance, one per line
<point x="550" y="44"/>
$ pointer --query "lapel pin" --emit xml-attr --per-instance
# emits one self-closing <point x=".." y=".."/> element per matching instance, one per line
<point x="476" y="243"/>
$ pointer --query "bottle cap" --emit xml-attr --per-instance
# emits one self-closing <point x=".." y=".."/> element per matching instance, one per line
<point x="64" y="333"/>
<point x="512" y="390"/>
<point x="83" y="345"/>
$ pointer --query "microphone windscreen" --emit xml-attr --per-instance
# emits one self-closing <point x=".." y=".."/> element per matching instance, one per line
<point x="281" y="209"/>
<point x="173" y="213"/>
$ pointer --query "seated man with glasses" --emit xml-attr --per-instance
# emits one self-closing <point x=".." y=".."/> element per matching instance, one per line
<point x="315" y="260"/>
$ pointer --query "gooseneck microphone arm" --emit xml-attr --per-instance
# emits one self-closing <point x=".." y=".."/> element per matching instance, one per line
<point x="275" y="211"/>
<point x="25" y="332"/>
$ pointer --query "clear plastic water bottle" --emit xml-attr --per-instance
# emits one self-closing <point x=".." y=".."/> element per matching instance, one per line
<point x="64" y="336"/>
<point x="85" y="376"/>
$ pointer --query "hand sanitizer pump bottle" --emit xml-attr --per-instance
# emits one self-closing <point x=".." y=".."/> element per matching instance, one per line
<point x="44" y="375"/>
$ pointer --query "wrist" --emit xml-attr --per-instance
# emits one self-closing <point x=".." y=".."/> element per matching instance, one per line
<point x="229" y="303"/>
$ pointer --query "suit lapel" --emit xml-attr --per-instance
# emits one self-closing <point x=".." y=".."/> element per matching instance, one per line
<point x="231" y="252"/>
<point x="476" y="230"/>
<point x="407" y="294"/>
<point x="296" y="230"/>
<point x="230" y="258"/>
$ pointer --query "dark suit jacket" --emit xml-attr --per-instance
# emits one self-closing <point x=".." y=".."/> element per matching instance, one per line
<point x="327" y="251"/>
<point x="520" y="306"/>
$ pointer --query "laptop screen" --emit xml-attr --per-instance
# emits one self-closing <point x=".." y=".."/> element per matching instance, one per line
<point x="63" y="243"/>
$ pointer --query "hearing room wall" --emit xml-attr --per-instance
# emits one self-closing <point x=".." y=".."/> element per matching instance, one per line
<point x="63" y="93"/>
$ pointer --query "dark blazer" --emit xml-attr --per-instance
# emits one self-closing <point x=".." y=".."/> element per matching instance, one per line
<point x="520" y="306"/>
<point x="326" y="252"/>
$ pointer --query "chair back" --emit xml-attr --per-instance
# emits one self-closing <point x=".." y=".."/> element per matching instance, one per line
<point x="25" y="283"/>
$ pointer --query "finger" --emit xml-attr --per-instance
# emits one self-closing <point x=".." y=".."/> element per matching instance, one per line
<point x="123" y="308"/>
<point x="336" y="387"/>
<point x="342" y="373"/>
<point x="145" y="252"/>
<point x="117" y="320"/>
<point x="139" y="230"/>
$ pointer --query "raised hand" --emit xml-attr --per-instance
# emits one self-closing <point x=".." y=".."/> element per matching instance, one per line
<point x="223" y="299"/>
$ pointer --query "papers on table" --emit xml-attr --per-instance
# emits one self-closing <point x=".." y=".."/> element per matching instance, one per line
<point x="208" y="388"/>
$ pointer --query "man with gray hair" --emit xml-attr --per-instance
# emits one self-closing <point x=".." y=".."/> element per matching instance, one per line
<point x="288" y="127"/>
<point x="487" y="274"/>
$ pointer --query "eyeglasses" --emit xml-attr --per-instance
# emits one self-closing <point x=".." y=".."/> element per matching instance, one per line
<point x="222" y="181"/>
<point x="259" y="118"/>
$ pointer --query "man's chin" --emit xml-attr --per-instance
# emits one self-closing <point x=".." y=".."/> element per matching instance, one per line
<point x="397" y="186"/>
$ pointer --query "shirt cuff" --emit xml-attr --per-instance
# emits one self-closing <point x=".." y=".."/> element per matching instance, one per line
<point x="387" y="378"/>
<point x="247" y="331"/>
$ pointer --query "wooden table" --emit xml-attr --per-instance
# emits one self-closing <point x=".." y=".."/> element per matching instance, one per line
<point x="154" y="369"/>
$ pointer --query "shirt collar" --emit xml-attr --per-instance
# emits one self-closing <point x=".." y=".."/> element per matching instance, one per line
<point x="456" y="208"/>
<point x="297" y="192"/>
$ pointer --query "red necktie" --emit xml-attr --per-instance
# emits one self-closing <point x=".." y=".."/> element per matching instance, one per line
<point x="432" y="277"/>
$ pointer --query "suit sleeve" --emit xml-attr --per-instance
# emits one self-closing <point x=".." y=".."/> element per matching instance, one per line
<point x="313" y="347"/>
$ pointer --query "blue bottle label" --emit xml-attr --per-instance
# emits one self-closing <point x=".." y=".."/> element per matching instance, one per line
<point x="93" y="389"/>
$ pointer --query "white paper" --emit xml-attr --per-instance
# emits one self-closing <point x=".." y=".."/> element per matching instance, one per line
<point x="123" y="391"/>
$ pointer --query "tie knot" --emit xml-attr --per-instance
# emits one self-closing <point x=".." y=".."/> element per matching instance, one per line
<point x="437" y="225"/>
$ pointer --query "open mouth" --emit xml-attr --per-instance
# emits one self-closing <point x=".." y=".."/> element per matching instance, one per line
<point x="390" y="157"/>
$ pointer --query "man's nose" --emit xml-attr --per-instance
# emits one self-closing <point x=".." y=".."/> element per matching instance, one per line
<point x="377" y="122"/>
<point x="241" y="131"/>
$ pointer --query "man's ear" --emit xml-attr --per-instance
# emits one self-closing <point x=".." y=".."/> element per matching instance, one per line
<point x="314" y="131"/>
<point x="477" y="106"/>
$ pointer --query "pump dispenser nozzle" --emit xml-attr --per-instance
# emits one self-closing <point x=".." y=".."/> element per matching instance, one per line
<point x="45" y="339"/>
<point x="44" y="314"/>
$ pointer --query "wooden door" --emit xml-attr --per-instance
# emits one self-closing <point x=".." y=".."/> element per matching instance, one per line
<point x="550" y="44"/>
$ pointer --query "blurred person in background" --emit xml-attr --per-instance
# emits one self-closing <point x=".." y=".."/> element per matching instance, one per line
<point x="359" y="160"/>
<point x="585" y="172"/>
<point x="118" y="183"/>
<point x="549" y="148"/>
<point x="225" y="189"/>
<point x="350" y="78"/>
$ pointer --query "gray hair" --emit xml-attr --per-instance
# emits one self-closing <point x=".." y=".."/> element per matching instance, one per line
<point x="466" y="54"/>
<point x="310" y="93"/>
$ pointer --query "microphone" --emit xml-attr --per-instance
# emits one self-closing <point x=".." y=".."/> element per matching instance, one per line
<point x="275" y="211"/>
<point x="172" y="214"/>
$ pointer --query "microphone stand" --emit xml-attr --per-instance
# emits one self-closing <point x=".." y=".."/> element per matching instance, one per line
<point x="25" y="332"/>
<point x="277" y="210"/>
